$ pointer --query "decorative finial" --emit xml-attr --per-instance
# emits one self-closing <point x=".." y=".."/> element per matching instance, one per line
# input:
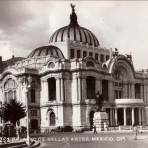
<point x="73" y="16"/>
<point x="73" y="7"/>
<point x="116" y="52"/>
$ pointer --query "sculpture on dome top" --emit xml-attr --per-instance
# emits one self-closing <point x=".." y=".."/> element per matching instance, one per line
<point x="73" y="16"/>
<point x="73" y="7"/>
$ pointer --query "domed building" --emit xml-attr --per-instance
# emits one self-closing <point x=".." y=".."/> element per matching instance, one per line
<point x="59" y="82"/>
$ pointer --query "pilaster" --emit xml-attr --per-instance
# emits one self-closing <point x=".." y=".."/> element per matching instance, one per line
<point x="83" y="89"/>
<point x="44" y="91"/>
<point x="58" y="89"/>
<point x="111" y="91"/>
<point x="132" y="90"/>
<point x="62" y="89"/>
<point x="74" y="89"/>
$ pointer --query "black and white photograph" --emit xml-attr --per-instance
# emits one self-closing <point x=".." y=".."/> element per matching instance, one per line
<point x="73" y="74"/>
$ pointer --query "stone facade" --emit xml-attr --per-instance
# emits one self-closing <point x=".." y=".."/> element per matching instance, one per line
<point x="65" y="77"/>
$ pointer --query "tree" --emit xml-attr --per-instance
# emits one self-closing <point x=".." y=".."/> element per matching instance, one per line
<point x="12" y="111"/>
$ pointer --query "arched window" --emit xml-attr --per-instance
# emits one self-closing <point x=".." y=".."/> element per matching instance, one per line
<point x="90" y="84"/>
<point x="52" y="119"/>
<point x="52" y="89"/>
<point x="90" y="64"/>
<point x="10" y="89"/>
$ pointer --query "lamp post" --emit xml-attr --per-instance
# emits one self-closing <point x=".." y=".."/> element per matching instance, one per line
<point x="27" y="85"/>
<point x="2" y="120"/>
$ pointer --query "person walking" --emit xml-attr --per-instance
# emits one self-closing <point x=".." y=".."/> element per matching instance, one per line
<point x="95" y="130"/>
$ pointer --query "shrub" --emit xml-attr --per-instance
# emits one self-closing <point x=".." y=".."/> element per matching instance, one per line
<point x="62" y="129"/>
<point x="67" y="129"/>
<point x="57" y="129"/>
<point x="23" y="130"/>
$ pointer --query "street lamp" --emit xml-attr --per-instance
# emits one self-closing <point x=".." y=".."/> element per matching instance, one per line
<point x="2" y="119"/>
<point x="27" y="85"/>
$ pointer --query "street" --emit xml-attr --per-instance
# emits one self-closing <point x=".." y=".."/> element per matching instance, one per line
<point x="102" y="140"/>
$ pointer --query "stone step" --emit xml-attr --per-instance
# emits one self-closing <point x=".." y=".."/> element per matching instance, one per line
<point x="8" y="145"/>
<point x="19" y="146"/>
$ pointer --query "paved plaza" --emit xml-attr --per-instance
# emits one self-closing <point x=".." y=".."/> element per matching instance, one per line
<point x="90" y="140"/>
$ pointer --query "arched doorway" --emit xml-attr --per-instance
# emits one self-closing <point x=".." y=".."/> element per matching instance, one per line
<point x="129" y="116"/>
<point x="136" y="116"/>
<point x="120" y="116"/>
<point x="91" y="116"/>
<point x="52" y="119"/>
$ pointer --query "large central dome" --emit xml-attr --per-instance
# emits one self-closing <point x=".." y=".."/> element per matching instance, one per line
<point x="74" y="32"/>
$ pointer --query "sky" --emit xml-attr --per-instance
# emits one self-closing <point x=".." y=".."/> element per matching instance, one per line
<point x="28" y="24"/>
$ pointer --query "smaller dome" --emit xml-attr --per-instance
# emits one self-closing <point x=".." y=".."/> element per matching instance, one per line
<point x="51" y="50"/>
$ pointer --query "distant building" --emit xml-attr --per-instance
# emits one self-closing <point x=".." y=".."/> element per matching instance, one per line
<point x="65" y="77"/>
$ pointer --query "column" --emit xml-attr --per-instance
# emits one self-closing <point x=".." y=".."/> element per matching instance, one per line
<point x="142" y="116"/>
<point x="111" y="117"/>
<point x="79" y="87"/>
<point x="116" y="117"/>
<point x="27" y="115"/>
<point x="145" y="89"/>
<point x="62" y="89"/>
<point x="46" y="90"/>
<point x="146" y="114"/>
<point x="139" y="113"/>
<point x="58" y="89"/>
<point x="83" y="89"/>
<point x="124" y="110"/>
<point x="124" y="90"/>
<point x="141" y="91"/>
<point x="133" y="116"/>
<point x="146" y="92"/>
<point x="132" y="90"/>
<point x="127" y="90"/>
